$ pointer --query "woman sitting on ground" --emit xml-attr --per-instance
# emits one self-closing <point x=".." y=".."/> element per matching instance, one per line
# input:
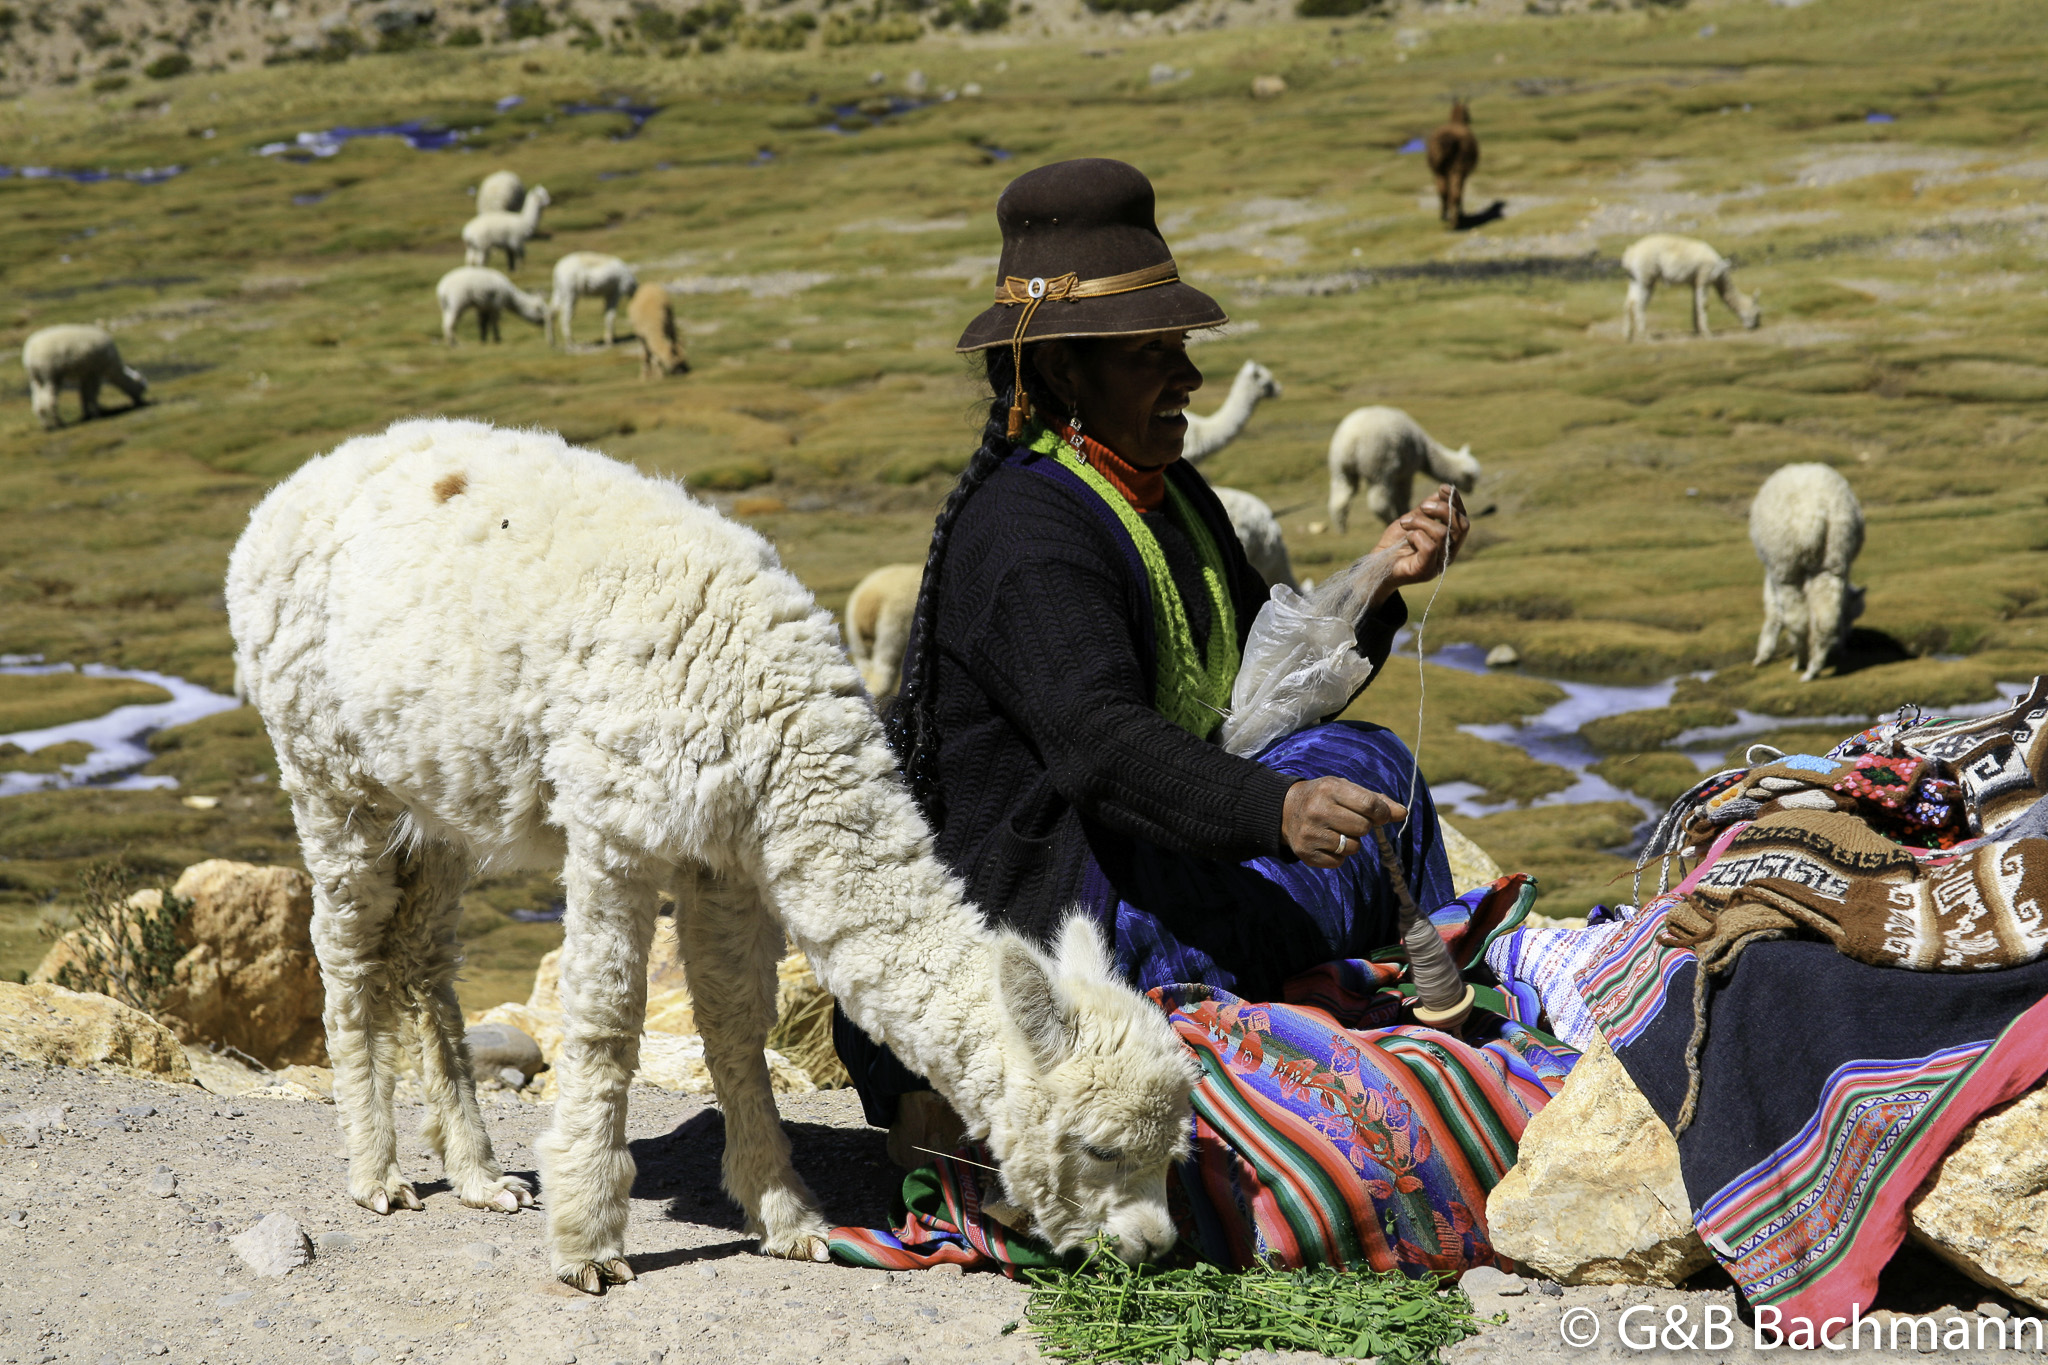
<point x="1076" y="639"/>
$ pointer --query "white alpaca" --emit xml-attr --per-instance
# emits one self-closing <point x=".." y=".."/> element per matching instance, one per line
<point x="1258" y="530"/>
<point x="482" y="648"/>
<point x="1384" y="449"/>
<point x="501" y="192"/>
<point x="1808" y="529"/>
<point x="503" y="231"/>
<point x="1207" y="435"/>
<point x="590" y="274"/>
<point x="75" y="357"/>
<point x="878" y="616"/>
<point x="490" y="294"/>
<point x="1662" y="258"/>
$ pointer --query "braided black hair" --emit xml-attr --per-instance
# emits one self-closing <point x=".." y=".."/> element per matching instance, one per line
<point x="911" y="722"/>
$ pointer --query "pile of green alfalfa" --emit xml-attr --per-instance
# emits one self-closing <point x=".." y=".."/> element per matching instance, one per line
<point x="1104" y="1310"/>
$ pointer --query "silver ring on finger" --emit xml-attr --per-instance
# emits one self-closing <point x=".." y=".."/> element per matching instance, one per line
<point x="1340" y="845"/>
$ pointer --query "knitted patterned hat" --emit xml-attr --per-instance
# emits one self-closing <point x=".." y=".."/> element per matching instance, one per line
<point x="1082" y="257"/>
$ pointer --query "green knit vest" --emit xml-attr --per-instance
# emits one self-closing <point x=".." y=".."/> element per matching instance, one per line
<point x="1189" y="690"/>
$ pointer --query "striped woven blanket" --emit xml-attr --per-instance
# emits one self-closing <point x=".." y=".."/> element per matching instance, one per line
<point x="1325" y="1132"/>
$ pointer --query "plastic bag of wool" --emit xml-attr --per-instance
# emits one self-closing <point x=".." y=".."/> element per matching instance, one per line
<point x="1301" y="663"/>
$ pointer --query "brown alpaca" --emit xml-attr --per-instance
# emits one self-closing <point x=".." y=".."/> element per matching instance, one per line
<point x="1453" y="153"/>
<point x="661" y="352"/>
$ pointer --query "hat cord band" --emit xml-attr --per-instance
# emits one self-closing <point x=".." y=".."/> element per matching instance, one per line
<point x="1036" y="290"/>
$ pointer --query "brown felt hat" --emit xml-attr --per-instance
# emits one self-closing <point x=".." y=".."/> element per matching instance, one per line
<point x="1082" y="257"/>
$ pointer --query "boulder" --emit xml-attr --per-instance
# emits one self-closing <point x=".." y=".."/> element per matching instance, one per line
<point x="1596" y="1196"/>
<point x="1985" y="1208"/>
<point x="248" y="978"/>
<point x="275" y="1247"/>
<point x="675" y="1061"/>
<point x="46" y="1023"/>
<point x="1470" y="865"/>
<point x="1503" y="656"/>
<point x="495" y="1046"/>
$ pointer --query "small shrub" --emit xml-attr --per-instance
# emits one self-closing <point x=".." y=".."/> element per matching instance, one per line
<point x="710" y="42"/>
<point x="103" y="84"/>
<point x="587" y="37"/>
<point x="341" y="44"/>
<point x="735" y="476"/>
<point x="115" y="64"/>
<point x="657" y="25"/>
<point x="1131" y="6"/>
<point x="527" y="20"/>
<point x="1338" y="9"/>
<point x="468" y="35"/>
<point x="779" y="35"/>
<point x="719" y="14"/>
<point x="169" y="65"/>
<point x="977" y="16"/>
<point x="845" y="30"/>
<point x="122" y="950"/>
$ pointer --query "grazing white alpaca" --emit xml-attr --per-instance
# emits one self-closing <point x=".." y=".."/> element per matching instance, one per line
<point x="1258" y="530"/>
<point x="74" y="356"/>
<point x="1662" y="258"/>
<point x="1808" y="529"/>
<point x="501" y="192"/>
<point x="476" y="647"/>
<point x="490" y="294"/>
<point x="591" y="274"/>
<point x="504" y="231"/>
<point x="1383" y="449"/>
<point x="878" y="616"/>
<point x="654" y="321"/>
<point x="1207" y="435"/>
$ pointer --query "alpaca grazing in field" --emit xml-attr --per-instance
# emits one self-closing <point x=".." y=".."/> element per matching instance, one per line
<point x="878" y="616"/>
<point x="1453" y="154"/>
<point x="501" y="192"/>
<point x="653" y="321"/>
<point x="74" y="356"/>
<point x="590" y="274"/>
<point x="491" y="295"/>
<point x="1662" y="258"/>
<point x="1207" y="435"/>
<point x="1258" y="530"/>
<point x="504" y="231"/>
<point x="1807" y="528"/>
<point x="484" y="648"/>
<point x="1382" y="450"/>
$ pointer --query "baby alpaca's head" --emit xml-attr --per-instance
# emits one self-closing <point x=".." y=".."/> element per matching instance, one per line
<point x="1095" y="1103"/>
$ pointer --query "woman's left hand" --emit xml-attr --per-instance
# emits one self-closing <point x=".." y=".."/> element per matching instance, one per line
<point x="1419" y="536"/>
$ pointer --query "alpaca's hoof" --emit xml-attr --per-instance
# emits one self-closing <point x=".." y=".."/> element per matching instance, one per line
<point x="399" y="1194"/>
<point x="505" y="1193"/>
<point x="593" y="1277"/>
<point x="799" y="1246"/>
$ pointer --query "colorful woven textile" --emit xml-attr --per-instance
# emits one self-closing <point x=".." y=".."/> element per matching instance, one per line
<point x="1829" y="1090"/>
<point x="1540" y="967"/>
<point x="1325" y="1132"/>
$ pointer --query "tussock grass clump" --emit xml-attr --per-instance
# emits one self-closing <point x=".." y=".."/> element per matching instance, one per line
<point x="1106" y="1310"/>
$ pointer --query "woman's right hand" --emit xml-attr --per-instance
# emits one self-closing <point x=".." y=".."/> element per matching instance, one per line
<point x="1325" y="819"/>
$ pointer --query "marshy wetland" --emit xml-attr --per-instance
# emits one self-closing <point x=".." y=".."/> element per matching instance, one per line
<point x="1875" y="167"/>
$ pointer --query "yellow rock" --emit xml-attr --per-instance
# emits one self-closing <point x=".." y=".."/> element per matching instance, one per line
<point x="1470" y="866"/>
<point x="46" y="1023"/>
<point x="1596" y="1196"/>
<point x="1985" y="1208"/>
<point x="248" y="978"/>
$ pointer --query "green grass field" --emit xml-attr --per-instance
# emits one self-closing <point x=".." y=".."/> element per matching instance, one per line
<point x="279" y="307"/>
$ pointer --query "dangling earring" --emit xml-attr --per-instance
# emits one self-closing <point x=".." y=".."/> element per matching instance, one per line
<point x="1074" y="430"/>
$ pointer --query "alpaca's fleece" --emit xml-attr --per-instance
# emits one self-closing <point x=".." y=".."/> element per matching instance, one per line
<point x="501" y="192"/>
<point x="1383" y="449"/>
<point x="476" y="647"/>
<point x="1808" y="529"/>
<point x="491" y="294"/>
<point x="878" y="613"/>
<point x="653" y="320"/>
<point x="504" y="231"/>
<point x="75" y="357"/>
<point x="1662" y="258"/>
<point x="1207" y="435"/>
<point x="591" y="274"/>
<point x="1258" y="530"/>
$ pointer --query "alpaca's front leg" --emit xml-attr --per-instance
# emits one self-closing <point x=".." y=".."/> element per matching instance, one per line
<point x="1343" y="488"/>
<point x="1699" y="309"/>
<point x="731" y="944"/>
<point x="586" y="1171"/>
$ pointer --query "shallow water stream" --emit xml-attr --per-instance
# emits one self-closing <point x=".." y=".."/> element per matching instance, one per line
<point x="119" y="739"/>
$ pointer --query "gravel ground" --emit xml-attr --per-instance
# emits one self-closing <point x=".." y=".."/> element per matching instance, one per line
<point x="114" y="1249"/>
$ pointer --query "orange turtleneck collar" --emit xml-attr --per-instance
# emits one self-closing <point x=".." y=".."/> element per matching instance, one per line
<point x="1144" y="489"/>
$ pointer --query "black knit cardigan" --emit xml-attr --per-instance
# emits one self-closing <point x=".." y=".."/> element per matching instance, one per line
<point x="1052" y="758"/>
